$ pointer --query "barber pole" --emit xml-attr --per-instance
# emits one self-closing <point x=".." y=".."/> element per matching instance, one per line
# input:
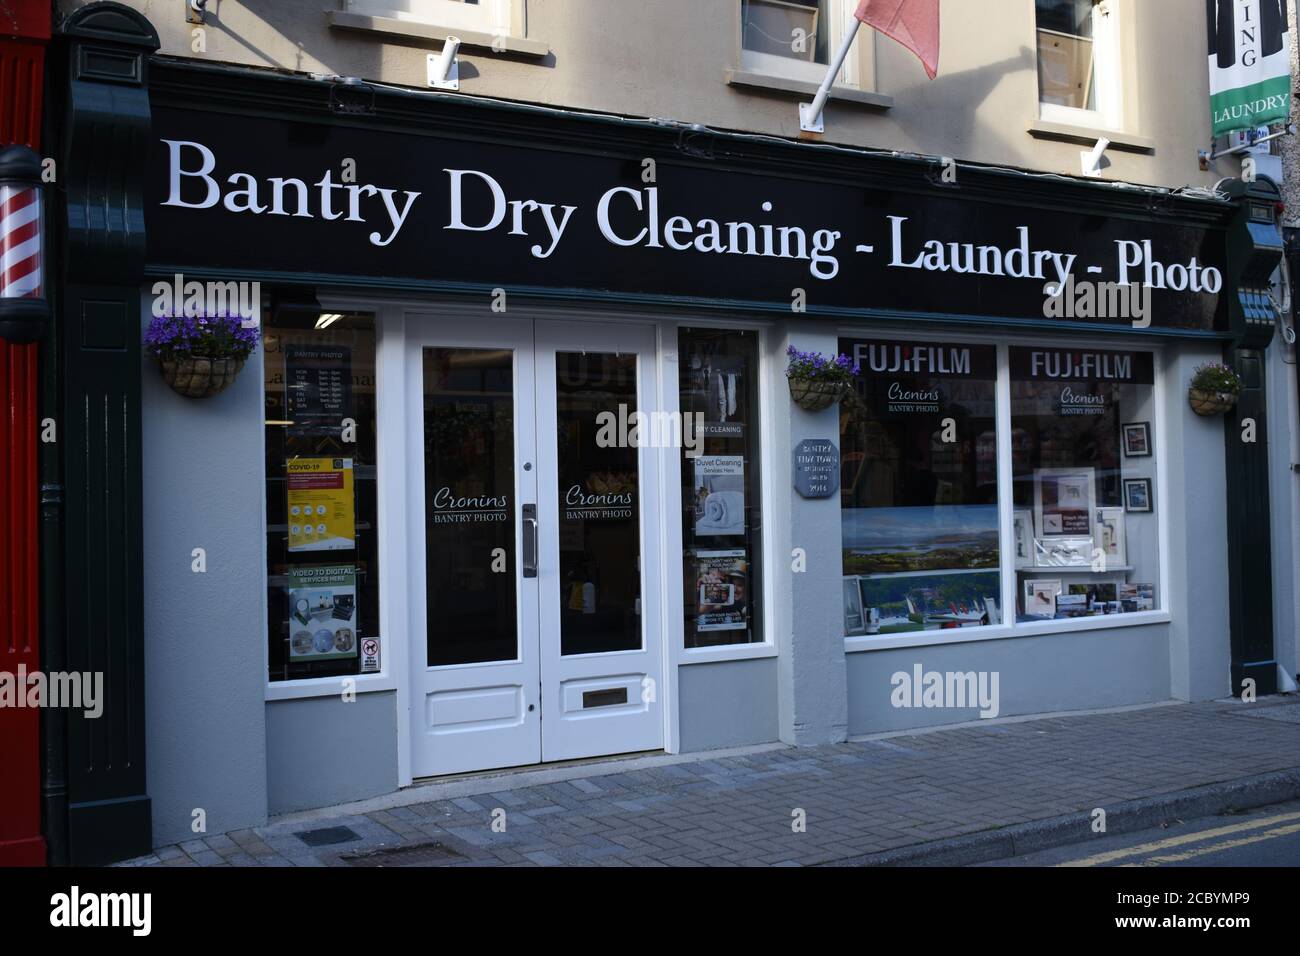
<point x="20" y="242"/>
<point x="24" y="311"/>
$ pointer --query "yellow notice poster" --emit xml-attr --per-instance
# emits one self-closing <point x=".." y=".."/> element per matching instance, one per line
<point x="321" y="512"/>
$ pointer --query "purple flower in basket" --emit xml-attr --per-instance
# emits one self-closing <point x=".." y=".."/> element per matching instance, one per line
<point x="815" y="367"/>
<point x="209" y="336"/>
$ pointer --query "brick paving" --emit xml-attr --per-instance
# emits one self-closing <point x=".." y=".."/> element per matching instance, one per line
<point x="857" y="797"/>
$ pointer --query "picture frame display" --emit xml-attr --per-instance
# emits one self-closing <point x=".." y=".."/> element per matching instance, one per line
<point x="1111" y="537"/>
<point x="1040" y="596"/>
<point x="1064" y="502"/>
<point x="1137" y="439"/>
<point x="1137" y="496"/>
<point x="854" y="618"/>
<point x="1023" y="534"/>
<point x="1064" y="516"/>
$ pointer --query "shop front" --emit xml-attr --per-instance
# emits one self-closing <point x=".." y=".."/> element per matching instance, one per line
<point x="515" y="475"/>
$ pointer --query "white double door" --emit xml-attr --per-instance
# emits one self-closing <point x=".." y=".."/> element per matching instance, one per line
<point x="534" y="543"/>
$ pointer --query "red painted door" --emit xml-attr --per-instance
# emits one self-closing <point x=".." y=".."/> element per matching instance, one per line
<point x="24" y="33"/>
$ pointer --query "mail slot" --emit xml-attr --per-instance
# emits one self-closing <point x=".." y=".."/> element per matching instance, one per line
<point x="604" y="698"/>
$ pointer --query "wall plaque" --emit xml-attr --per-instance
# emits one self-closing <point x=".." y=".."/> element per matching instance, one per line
<point x="816" y="468"/>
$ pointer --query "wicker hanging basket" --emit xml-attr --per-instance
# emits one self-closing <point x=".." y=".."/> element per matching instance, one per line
<point x="1204" y="402"/>
<point x="200" y="377"/>
<point x="814" y="396"/>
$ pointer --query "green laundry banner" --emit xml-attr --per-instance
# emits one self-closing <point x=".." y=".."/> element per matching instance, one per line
<point x="1250" y="63"/>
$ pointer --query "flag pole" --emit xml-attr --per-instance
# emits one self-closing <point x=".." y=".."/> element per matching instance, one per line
<point x="810" y="114"/>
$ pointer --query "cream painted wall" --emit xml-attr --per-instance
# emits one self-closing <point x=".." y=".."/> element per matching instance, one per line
<point x="670" y="59"/>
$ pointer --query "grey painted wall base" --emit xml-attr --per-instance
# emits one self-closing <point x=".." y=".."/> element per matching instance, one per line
<point x="1079" y="671"/>
<point x="727" y="704"/>
<point x="324" y="750"/>
<point x="205" y="633"/>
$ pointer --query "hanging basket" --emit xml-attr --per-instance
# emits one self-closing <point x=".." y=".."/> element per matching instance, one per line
<point x="1210" y="403"/>
<point x="814" y="396"/>
<point x="200" y="377"/>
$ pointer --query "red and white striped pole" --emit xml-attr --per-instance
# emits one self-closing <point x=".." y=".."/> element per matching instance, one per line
<point x="24" y="310"/>
<point x="20" y="242"/>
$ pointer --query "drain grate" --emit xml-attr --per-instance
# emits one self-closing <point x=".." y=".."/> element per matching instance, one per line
<point x="415" y="854"/>
<point x="328" y="836"/>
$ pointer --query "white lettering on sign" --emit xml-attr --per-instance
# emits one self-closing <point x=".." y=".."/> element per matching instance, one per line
<point x="462" y="509"/>
<point x="816" y="468"/>
<point x="248" y="196"/>
<point x="1087" y="365"/>
<point x="624" y="216"/>
<point x="949" y="360"/>
<point x="1073" y="403"/>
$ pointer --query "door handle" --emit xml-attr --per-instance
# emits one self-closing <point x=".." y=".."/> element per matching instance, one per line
<point x="530" y="541"/>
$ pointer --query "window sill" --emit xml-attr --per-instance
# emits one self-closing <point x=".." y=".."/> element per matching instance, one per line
<point x="327" y="686"/>
<point x="998" y="632"/>
<point x="410" y="29"/>
<point x="729" y="652"/>
<point x="1088" y="136"/>
<point x="773" y="83"/>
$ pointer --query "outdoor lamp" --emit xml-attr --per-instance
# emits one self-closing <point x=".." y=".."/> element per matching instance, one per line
<point x="24" y="308"/>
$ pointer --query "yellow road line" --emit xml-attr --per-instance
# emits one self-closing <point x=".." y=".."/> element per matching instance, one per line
<point x="1112" y="855"/>
<point x="1218" y="847"/>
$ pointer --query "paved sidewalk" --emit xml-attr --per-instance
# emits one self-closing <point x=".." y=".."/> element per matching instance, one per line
<point x="859" y="798"/>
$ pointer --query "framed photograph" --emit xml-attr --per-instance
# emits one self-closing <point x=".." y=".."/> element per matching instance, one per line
<point x="1111" y="537"/>
<point x="1137" y="439"/>
<point x="1137" y="495"/>
<point x="1022" y="524"/>
<point x="1063" y="552"/>
<point x="1064" y="513"/>
<point x="1040" y="596"/>
<point x="1137" y="597"/>
<point x="854" y="620"/>
<point x="1064" y="502"/>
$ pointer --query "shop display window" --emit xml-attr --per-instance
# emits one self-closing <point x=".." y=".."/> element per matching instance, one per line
<point x="1084" y="470"/>
<point x="321" y="471"/>
<point x="925" y="533"/>
<point x="918" y="487"/>
<point x="722" y="517"/>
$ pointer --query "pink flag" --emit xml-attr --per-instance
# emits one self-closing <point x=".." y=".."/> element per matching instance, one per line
<point x="913" y="23"/>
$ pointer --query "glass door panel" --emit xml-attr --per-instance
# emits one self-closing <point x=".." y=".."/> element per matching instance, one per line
<point x="469" y="462"/>
<point x="599" y="507"/>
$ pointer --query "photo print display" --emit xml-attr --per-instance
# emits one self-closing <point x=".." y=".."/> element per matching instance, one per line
<point x="918" y="485"/>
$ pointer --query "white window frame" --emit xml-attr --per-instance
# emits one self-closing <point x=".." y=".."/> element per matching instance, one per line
<point x="390" y="533"/>
<point x="1107" y="73"/>
<point x="1009" y="581"/>
<point x="487" y="16"/>
<point x="675" y="628"/>
<point x="838" y="14"/>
